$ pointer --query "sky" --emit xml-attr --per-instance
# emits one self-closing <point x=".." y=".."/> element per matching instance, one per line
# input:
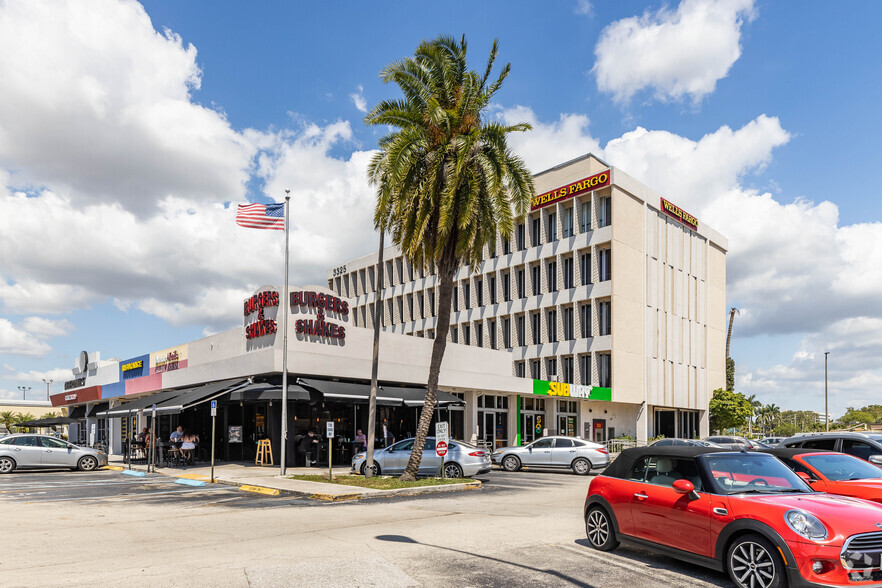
<point x="129" y="133"/>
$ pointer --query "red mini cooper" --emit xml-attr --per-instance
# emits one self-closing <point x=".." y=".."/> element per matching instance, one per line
<point x="745" y="513"/>
<point x="834" y="473"/>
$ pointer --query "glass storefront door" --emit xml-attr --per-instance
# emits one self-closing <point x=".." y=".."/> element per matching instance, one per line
<point x="532" y="419"/>
<point x="493" y="428"/>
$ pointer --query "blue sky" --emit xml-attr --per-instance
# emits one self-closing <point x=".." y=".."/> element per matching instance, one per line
<point x="129" y="131"/>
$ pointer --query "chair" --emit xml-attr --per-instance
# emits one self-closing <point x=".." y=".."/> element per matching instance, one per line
<point x="666" y="474"/>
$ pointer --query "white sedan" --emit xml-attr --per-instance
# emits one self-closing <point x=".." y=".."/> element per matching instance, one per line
<point x="554" y="452"/>
<point x="25" y="451"/>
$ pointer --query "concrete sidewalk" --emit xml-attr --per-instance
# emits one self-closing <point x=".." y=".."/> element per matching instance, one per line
<point x="266" y="480"/>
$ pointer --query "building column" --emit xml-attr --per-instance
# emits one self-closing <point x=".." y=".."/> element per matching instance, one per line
<point x="512" y="420"/>
<point x="470" y="417"/>
<point x="704" y="423"/>
<point x="551" y="415"/>
<point x="643" y="424"/>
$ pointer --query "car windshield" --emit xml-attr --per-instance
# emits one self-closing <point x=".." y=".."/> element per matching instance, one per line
<point x="838" y="467"/>
<point x="752" y="473"/>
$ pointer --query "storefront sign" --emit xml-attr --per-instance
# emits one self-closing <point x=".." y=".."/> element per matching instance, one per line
<point x="85" y="395"/>
<point x="546" y="388"/>
<point x="134" y="365"/>
<point x="74" y="383"/>
<point x="564" y="192"/>
<point x="168" y="360"/>
<point x="69" y="397"/>
<point x="678" y="213"/>
<point x="257" y="303"/>
<point x="320" y="301"/>
<point x="234" y="434"/>
<point x="318" y="326"/>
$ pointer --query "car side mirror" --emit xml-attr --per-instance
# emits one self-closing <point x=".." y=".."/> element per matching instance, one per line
<point x="876" y="460"/>
<point x="805" y="477"/>
<point x="683" y="487"/>
<point x="71" y="446"/>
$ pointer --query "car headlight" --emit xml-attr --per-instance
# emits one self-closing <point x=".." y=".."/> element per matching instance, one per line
<point x="806" y="525"/>
<point x="359" y="456"/>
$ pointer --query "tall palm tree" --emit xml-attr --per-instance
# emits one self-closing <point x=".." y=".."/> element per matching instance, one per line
<point x="447" y="183"/>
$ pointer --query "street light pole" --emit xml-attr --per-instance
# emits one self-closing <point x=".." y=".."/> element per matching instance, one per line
<point x="47" y="382"/>
<point x="826" y="409"/>
<point x="24" y="391"/>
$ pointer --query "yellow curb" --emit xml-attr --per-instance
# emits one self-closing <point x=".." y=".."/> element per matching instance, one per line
<point x="114" y="468"/>
<point x="260" y="490"/>
<point x="193" y="477"/>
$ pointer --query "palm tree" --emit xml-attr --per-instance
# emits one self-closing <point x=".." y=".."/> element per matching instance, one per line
<point x="7" y="417"/>
<point x="447" y="182"/>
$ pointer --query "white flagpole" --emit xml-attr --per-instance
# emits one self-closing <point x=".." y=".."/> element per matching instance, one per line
<point x="284" y="308"/>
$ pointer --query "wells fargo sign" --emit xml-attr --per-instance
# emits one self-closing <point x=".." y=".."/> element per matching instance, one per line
<point x="585" y="185"/>
<point x="679" y="214"/>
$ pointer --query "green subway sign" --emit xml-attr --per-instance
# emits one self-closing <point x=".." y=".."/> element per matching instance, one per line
<point x="546" y="388"/>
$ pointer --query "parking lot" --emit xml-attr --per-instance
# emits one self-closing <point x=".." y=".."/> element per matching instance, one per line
<point x="522" y="528"/>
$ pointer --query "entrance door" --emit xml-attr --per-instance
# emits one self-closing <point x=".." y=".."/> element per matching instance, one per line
<point x="664" y="423"/>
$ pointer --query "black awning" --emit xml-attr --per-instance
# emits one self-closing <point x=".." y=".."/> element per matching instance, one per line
<point x="193" y="396"/>
<point x="417" y="396"/>
<point x="50" y="422"/>
<point x="142" y="403"/>
<point x="270" y="392"/>
<point x="77" y="412"/>
<point x="349" y="393"/>
<point x="100" y="407"/>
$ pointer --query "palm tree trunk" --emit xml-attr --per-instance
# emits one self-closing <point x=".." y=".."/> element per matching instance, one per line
<point x="446" y="271"/>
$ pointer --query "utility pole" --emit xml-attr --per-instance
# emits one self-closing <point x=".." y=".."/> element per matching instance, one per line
<point x="826" y="407"/>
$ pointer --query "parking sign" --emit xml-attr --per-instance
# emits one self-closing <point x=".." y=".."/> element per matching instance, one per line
<point x="330" y="429"/>
<point x="214" y="408"/>
<point x="441" y="433"/>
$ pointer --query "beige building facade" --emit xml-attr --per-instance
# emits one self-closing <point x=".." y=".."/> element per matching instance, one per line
<point x="605" y="286"/>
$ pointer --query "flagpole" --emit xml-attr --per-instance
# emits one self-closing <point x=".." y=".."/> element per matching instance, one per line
<point x="284" y="308"/>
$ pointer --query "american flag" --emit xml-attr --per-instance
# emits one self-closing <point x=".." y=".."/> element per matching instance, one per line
<point x="261" y="216"/>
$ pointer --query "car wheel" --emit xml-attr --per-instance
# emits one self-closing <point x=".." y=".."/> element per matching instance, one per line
<point x="581" y="466"/>
<point x="87" y="463"/>
<point x="7" y="465"/>
<point x="452" y="470"/>
<point x="374" y="468"/>
<point x="511" y="463"/>
<point x="599" y="529"/>
<point x="752" y="563"/>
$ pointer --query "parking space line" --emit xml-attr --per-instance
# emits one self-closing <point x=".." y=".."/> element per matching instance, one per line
<point x="127" y="496"/>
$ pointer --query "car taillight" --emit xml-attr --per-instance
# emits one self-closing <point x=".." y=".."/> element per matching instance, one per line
<point x="477" y="454"/>
<point x="603" y="450"/>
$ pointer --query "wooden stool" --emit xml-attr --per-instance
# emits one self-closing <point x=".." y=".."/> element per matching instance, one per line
<point x="264" y="453"/>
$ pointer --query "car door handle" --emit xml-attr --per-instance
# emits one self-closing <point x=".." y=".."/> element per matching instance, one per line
<point x="720" y="511"/>
<point x="640" y="496"/>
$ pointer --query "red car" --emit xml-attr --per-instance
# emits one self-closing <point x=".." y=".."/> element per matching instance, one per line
<point x="744" y="513"/>
<point x="834" y="473"/>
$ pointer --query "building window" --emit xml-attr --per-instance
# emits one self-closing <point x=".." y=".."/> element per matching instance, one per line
<point x="585" y="370"/>
<point x="522" y="283"/>
<point x="537" y="328"/>
<point x="454" y="335"/>
<point x="522" y="237"/>
<point x="603" y="309"/>
<point x="432" y="301"/>
<point x="521" y="322"/>
<point x="421" y="303"/>
<point x="552" y="276"/>
<point x="400" y="270"/>
<point x="506" y="333"/>
<point x="568" y="277"/>
<point x="567" y="367"/>
<point x="506" y="286"/>
<point x="480" y="287"/>
<point x="604" y="370"/>
<point x="585" y="268"/>
<point x="492" y="334"/>
<point x="535" y="236"/>
<point x="456" y="299"/>
<point x="390" y="277"/>
<point x="506" y="246"/>
<point x="585" y="216"/>
<point x="535" y="369"/>
<point x="520" y="369"/>
<point x="605" y="269"/>
<point x="537" y="279"/>
<point x="552" y="326"/>
<point x="467" y="334"/>
<point x="605" y="211"/>
<point x="492" y="289"/>
<point x="401" y="309"/>
<point x="410" y="271"/>
<point x="479" y="334"/>
<point x="551" y="363"/>
<point x="467" y="295"/>
<point x="492" y="248"/>
<point x="567" y="222"/>
<point x="585" y="319"/>
<point x="568" y="330"/>
<point x="552" y="227"/>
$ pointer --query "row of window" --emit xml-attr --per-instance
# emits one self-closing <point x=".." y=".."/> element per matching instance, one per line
<point x="567" y="369"/>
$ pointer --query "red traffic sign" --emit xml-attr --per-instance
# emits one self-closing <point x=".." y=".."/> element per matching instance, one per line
<point x="441" y="448"/>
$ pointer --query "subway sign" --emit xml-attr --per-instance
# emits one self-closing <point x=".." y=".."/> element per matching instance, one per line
<point x="564" y="390"/>
<point x="678" y="213"/>
<point x="565" y="192"/>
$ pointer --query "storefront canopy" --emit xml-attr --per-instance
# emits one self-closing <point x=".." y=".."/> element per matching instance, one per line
<point x="50" y="422"/>
<point x="417" y="396"/>
<point x="77" y="412"/>
<point x="348" y="392"/>
<point x="264" y="391"/>
<point x="142" y="403"/>
<point x="98" y="408"/>
<point x="194" y="396"/>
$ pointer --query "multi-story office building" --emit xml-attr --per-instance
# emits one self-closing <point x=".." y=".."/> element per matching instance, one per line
<point x="605" y="286"/>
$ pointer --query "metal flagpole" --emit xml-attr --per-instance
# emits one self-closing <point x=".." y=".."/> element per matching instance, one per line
<point x="284" y="309"/>
<point x="375" y="361"/>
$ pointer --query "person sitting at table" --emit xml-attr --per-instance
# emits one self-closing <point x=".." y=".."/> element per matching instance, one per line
<point x="360" y="442"/>
<point x="176" y="442"/>
<point x="141" y="442"/>
<point x="188" y="444"/>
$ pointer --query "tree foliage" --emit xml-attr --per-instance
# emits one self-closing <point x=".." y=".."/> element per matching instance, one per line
<point x="864" y="415"/>
<point x="728" y="409"/>
<point x="730" y="374"/>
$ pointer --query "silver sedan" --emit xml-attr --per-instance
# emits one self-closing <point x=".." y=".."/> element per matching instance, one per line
<point x="42" y="451"/>
<point x="462" y="460"/>
<point x="554" y="452"/>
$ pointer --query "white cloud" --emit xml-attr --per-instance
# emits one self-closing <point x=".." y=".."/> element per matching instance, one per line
<point x="548" y="144"/>
<point x="15" y="340"/>
<point x="675" y="53"/>
<point x="44" y="328"/>
<point x="97" y="105"/>
<point x="584" y="7"/>
<point x="358" y="99"/>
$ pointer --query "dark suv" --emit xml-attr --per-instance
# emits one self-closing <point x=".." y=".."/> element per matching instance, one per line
<point x="867" y="446"/>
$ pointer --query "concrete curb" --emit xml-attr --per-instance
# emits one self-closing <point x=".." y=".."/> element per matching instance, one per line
<point x="369" y="493"/>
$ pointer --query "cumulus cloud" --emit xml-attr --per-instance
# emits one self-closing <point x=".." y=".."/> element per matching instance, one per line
<point x="15" y="340"/>
<point x="97" y="105"/>
<point x="358" y="99"/>
<point x="584" y="7"/>
<point x="674" y="53"/>
<point x="548" y="144"/>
